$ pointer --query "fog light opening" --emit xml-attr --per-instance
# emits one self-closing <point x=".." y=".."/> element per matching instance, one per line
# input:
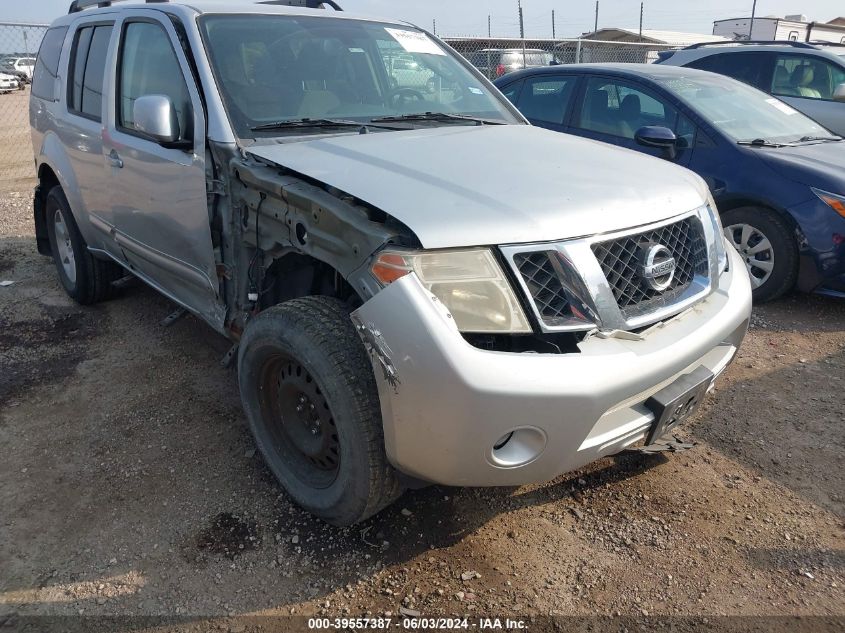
<point x="501" y="443"/>
<point x="518" y="447"/>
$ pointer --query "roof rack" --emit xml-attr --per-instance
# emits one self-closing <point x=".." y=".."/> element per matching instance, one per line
<point x="823" y="43"/>
<point x="306" y="4"/>
<point x="79" y="5"/>
<point x="752" y="43"/>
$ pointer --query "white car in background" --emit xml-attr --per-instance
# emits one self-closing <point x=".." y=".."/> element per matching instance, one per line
<point x="22" y="67"/>
<point x="8" y="83"/>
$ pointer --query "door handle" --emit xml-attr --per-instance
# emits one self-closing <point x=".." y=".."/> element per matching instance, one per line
<point x="114" y="160"/>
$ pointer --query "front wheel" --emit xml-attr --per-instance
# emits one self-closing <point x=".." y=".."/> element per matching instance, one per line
<point x="768" y="248"/>
<point x="310" y="396"/>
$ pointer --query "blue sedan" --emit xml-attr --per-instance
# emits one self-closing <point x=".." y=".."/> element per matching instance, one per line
<point x="777" y="177"/>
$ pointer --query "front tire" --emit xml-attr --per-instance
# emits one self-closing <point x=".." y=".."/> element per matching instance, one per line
<point x="86" y="279"/>
<point x="310" y="396"/>
<point x="768" y="248"/>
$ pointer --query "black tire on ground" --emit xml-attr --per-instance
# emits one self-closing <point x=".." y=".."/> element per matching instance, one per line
<point x="92" y="281"/>
<point x="769" y="225"/>
<point x="310" y="396"/>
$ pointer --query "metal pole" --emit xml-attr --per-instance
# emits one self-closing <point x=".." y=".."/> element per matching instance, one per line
<point x="434" y="26"/>
<point x="489" y="27"/>
<point x="554" y="34"/>
<point x="751" y="27"/>
<point x="642" y="8"/>
<point x="522" y="34"/>
<point x="25" y="42"/>
<point x="596" y="28"/>
<point x="578" y="52"/>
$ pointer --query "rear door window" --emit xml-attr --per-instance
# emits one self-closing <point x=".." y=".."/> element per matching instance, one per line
<point x="547" y="98"/>
<point x="751" y="67"/>
<point x="87" y="71"/>
<point x="47" y="64"/>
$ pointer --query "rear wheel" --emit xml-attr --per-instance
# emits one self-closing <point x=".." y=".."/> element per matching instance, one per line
<point x="85" y="278"/>
<point x="310" y="397"/>
<point x="767" y="247"/>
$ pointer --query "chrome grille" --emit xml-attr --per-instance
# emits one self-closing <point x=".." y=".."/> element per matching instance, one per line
<point x="543" y="283"/>
<point x="619" y="261"/>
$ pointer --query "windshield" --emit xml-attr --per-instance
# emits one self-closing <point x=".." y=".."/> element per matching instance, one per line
<point x="741" y="112"/>
<point x="276" y="68"/>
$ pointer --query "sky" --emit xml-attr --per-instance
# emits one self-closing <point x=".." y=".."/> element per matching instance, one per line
<point x="572" y="17"/>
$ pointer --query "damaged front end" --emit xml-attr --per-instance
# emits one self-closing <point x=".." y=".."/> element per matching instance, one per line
<point x="455" y="414"/>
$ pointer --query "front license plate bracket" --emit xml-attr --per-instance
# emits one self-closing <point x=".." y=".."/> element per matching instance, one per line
<point x="672" y="405"/>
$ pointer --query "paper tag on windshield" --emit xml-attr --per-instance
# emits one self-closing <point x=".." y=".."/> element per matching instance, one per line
<point x="780" y="105"/>
<point x="415" y="42"/>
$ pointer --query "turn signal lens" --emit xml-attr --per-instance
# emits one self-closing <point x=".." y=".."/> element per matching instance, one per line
<point x="837" y="203"/>
<point x="389" y="267"/>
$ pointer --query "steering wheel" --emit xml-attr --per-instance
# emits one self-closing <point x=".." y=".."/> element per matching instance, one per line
<point x="401" y="97"/>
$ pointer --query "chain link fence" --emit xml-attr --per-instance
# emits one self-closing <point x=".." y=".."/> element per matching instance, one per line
<point x="498" y="56"/>
<point x="19" y="45"/>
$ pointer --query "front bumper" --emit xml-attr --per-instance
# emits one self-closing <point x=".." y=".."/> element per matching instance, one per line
<point x="446" y="404"/>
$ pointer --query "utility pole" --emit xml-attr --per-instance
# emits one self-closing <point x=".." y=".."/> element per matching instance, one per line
<point x="554" y="34"/>
<point x="596" y="28"/>
<point x="521" y="22"/>
<point x="642" y="9"/>
<point x="490" y="27"/>
<point x="753" y="13"/>
<point x="434" y="26"/>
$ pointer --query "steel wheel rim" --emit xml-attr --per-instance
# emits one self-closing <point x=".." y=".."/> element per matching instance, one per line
<point x="299" y="421"/>
<point x="755" y="249"/>
<point x="64" y="246"/>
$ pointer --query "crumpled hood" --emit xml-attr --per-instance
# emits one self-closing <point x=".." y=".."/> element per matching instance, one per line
<point x="485" y="185"/>
<point x="820" y="165"/>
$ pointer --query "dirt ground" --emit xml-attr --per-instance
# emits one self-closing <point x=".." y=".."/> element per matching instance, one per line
<point x="129" y="484"/>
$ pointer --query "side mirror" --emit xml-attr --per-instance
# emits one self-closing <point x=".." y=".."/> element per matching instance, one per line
<point x="155" y="117"/>
<point x="839" y="93"/>
<point x="660" y="137"/>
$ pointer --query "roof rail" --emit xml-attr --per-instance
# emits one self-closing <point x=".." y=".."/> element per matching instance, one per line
<point x="306" y="4"/>
<point x="752" y="43"/>
<point x="823" y="43"/>
<point x="79" y="5"/>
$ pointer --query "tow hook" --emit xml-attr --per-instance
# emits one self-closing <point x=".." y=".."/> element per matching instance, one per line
<point x="664" y="445"/>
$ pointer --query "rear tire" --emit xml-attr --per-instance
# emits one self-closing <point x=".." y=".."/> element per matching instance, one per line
<point x="310" y="396"/>
<point x="86" y="279"/>
<point x="768" y="248"/>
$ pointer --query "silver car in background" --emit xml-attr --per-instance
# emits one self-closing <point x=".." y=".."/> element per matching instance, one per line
<point x="809" y="77"/>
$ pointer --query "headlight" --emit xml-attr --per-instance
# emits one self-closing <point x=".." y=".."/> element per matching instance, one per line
<point x="719" y="231"/>
<point x="837" y="203"/>
<point x="470" y="283"/>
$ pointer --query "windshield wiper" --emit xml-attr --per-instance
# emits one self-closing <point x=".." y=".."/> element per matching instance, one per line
<point x="290" y="124"/>
<point x="760" y="142"/>
<point x="437" y="116"/>
<point x="807" y="139"/>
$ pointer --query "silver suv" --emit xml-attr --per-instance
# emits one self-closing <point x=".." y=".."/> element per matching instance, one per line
<point x="808" y="77"/>
<point x="399" y="311"/>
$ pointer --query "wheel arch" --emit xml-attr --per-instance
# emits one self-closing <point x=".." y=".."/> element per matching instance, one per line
<point x="295" y="274"/>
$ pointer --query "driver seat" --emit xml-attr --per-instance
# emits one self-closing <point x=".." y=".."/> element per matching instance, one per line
<point x="802" y="80"/>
